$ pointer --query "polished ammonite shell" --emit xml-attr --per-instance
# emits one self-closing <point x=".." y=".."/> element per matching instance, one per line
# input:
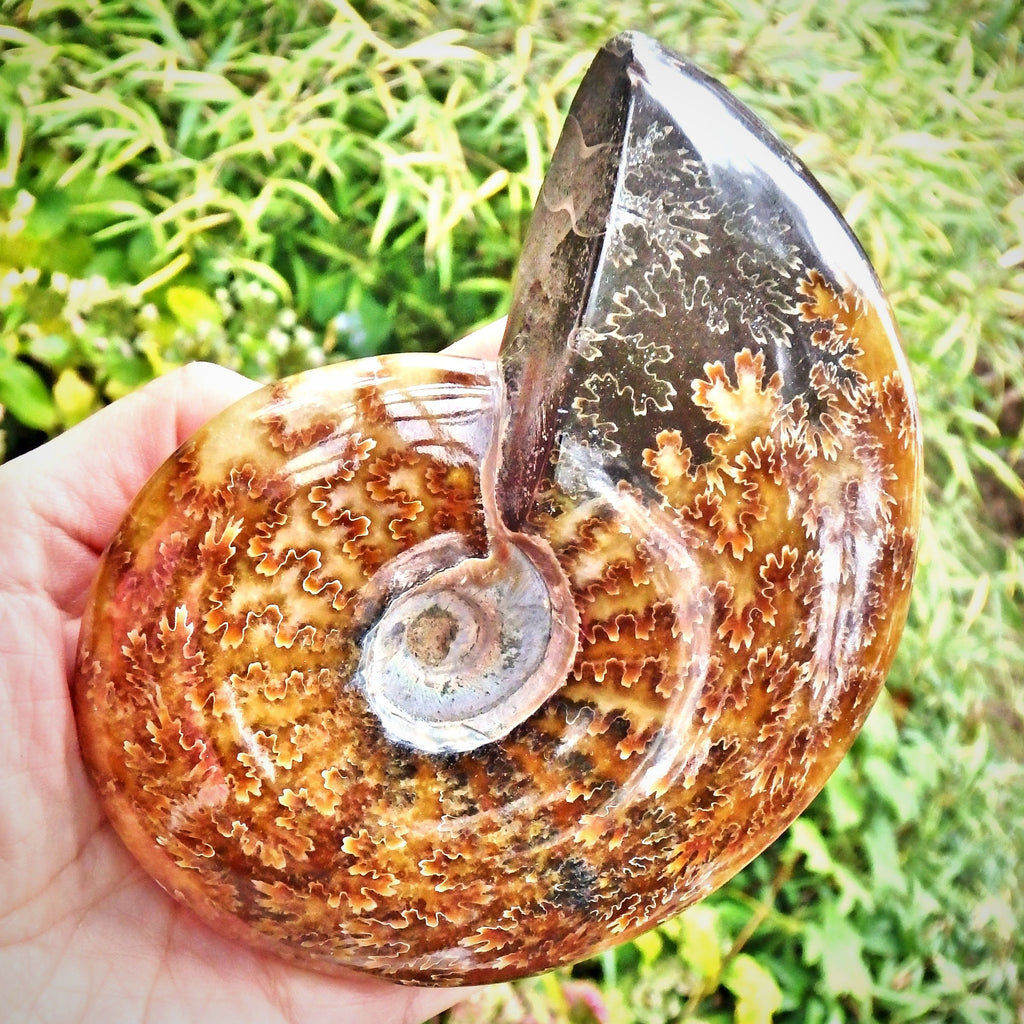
<point x="453" y="672"/>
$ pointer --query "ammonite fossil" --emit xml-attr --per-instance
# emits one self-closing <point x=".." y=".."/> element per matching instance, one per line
<point x="453" y="672"/>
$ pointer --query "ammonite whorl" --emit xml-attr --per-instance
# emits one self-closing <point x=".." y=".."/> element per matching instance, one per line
<point x="454" y="673"/>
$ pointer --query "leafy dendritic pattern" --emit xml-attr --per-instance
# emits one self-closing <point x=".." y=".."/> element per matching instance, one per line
<point x="693" y="260"/>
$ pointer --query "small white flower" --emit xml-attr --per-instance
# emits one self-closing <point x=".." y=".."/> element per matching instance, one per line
<point x="8" y="285"/>
<point x="98" y="289"/>
<point x="77" y="291"/>
<point x="24" y="204"/>
<point x="277" y="340"/>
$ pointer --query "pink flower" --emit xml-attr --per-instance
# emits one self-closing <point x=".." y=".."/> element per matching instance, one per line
<point x="585" y="995"/>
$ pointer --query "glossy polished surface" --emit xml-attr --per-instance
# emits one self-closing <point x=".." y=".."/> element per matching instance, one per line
<point x="455" y="673"/>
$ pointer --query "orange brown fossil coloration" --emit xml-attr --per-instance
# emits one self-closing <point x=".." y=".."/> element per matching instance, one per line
<point x="452" y="672"/>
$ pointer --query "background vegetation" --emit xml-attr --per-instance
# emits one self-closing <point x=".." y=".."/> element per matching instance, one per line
<point x="275" y="185"/>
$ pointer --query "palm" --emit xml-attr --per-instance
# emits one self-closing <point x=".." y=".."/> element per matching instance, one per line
<point x="84" y="935"/>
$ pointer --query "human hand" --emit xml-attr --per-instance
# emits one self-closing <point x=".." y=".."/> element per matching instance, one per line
<point x="84" y="934"/>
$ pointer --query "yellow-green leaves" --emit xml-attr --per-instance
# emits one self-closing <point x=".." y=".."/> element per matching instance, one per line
<point x="757" y="994"/>
<point x="25" y="395"/>
<point x="700" y="942"/>
<point x="192" y="307"/>
<point x="838" y="948"/>
<point x="74" y="397"/>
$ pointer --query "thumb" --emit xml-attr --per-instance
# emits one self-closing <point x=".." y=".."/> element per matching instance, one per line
<point x="69" y="496"/>
<point x="94" y="470"/>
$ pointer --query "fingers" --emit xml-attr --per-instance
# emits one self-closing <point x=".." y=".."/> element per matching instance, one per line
<point x="481" y="344"/>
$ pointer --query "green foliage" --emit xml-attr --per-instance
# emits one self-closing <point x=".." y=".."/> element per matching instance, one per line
<point x="274" y="186"/>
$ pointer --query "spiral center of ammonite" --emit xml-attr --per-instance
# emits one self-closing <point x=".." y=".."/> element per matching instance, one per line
<point x="460" y="658"/>
<point x="430" y="634"/>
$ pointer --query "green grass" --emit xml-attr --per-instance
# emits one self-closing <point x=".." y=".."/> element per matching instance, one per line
<point x="323" y="180"/>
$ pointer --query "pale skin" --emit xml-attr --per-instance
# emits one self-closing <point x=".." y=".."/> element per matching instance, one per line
<point x="84" y="935"/>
